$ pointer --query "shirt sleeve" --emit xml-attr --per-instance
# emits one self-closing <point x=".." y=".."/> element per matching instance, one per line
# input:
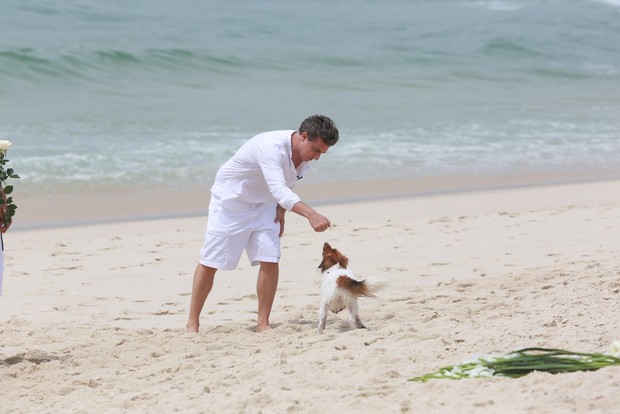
<point x="272" y="161"/>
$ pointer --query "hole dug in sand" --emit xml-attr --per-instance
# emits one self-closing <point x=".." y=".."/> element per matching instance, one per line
<point x="34" y="356"/>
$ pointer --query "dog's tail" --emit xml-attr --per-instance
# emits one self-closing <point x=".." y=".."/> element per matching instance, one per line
<point x="360" y="288"/>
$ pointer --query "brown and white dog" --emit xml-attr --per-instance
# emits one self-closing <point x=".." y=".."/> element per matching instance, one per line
<point x="340" y="288"/>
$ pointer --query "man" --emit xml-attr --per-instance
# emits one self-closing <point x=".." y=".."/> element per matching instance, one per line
<point x="251" y="193"/>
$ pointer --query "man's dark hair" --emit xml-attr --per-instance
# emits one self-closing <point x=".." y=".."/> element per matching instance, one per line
<point x="320" y="126"/>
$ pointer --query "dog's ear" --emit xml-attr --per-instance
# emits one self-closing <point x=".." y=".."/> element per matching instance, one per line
<point x="326" y="247"/>
<point x="327" y="262"/>
<point x="343" y="261"/>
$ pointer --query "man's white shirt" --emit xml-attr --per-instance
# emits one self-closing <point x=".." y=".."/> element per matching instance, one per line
<point x="261" y="171"/>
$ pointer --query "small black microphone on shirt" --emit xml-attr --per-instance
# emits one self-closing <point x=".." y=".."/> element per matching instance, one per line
<point x="299" y="177"/>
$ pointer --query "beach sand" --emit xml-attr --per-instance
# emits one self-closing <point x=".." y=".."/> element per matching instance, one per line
<point x="92" y="318"/>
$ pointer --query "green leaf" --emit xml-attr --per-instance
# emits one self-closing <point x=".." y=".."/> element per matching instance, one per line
<point x="8" y="189"/>
<point x="15" y="176"/>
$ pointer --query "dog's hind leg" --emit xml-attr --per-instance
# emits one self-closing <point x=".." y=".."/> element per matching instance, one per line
<point x="354" y="316"/>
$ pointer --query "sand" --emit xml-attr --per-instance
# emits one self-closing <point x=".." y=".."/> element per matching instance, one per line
<point x="92" y="315"/>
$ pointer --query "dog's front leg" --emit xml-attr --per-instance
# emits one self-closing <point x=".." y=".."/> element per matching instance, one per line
<point x="322" y="317"/>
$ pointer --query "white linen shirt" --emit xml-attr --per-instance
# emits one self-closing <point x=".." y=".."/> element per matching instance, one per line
<point x="261" y="171"/>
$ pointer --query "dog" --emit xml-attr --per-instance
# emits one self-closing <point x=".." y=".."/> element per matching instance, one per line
<point x="340" y="288"/>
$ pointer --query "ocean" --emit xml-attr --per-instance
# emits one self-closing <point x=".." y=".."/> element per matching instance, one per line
<point x="114" y="95"/>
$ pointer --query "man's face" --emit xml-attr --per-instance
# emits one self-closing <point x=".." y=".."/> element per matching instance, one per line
<point x="312" y="150"/>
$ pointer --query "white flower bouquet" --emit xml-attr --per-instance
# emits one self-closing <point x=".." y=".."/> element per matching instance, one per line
<point x="6" y="202"/>
<point x="524" y="361"/>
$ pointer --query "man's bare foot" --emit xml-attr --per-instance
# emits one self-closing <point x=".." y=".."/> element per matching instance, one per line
<point x="262" y="327"/>
<point x="191" y="328"/>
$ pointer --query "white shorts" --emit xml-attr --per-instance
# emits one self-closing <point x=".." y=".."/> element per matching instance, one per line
<point x="234" y="226"/>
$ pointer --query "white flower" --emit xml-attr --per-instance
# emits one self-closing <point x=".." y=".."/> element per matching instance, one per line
<point x="4" y="145"/>
<point x="480" y="371"/>
<point x="614" y="348"/>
